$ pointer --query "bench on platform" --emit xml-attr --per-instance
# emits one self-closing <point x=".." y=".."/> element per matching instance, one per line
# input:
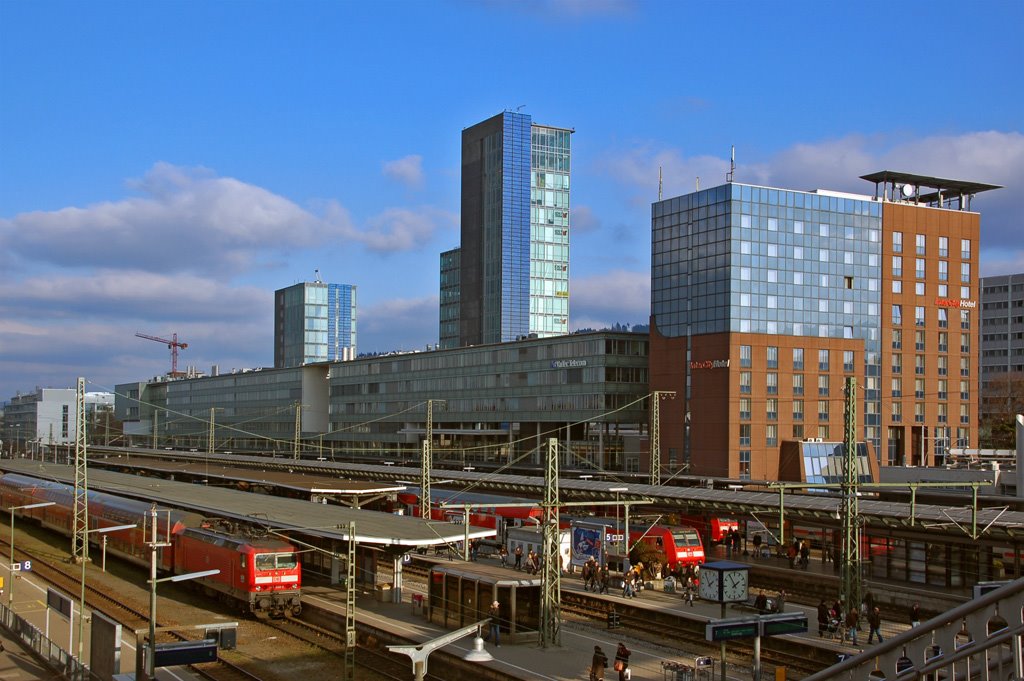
<point x="771" y="606"/>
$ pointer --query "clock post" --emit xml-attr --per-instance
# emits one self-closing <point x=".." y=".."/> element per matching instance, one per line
<point x="724" y="582"/>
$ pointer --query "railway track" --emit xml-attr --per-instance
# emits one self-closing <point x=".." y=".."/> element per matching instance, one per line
<point x="372" y="662"/>
<point x="68" y="578"/>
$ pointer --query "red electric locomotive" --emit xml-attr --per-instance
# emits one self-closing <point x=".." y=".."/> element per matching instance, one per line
<point x="261" y="576"/>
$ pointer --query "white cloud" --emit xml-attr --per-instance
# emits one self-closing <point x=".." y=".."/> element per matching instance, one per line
<point x="188" y="220"/>
<point x="992" y="157"/>
<point x="131" y="294"/>
<point x="408" y="170"/>
<point x="619" y="296"/>
<point x="584" y="220"/>
<point x="398" y="324"/>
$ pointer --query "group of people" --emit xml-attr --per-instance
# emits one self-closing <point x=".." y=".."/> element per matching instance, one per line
<point x="600" y="662"/>
<point x="731" y="542"/>
<point x="799" y="553"/>
<point x="595" y="577"/>
<point x="835" y="620"/>
<point x="533" y="559"/>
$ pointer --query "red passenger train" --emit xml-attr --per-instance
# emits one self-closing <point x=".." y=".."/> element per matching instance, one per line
<point x="486" y="510"/>
<point x="260" y="576"/>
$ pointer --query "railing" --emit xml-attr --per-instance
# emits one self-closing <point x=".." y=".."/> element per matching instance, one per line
<point x="51" y="654"/>
<point x="980" y="639"/>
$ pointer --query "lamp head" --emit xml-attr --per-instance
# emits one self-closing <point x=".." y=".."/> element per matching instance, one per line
<point x="478" y="653"/>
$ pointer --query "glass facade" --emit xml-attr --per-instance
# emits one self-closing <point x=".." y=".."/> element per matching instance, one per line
<point x="506" y="242"/>
<point x="450" y="295"/>
<point x="823" y="462"/>
<point x="549" y="231"/>
<point x="744" y="259"/>
<point x="513" y="275"/>
<point x="314" y="322"/>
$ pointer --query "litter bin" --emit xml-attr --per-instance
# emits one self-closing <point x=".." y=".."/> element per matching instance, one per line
<point x="383" y="593"/>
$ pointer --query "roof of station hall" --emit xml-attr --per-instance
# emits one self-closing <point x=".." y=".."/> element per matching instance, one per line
<point x="322" y="520"/>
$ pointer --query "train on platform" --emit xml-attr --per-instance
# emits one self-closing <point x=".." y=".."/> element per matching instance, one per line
<point x="484" y="510"/>
<point x="603" y="539"/>
<point x="260" y="576"/>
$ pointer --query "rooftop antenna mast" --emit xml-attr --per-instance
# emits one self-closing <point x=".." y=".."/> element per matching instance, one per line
<point x="732" y="165"/>
<point x="659" y="183"/>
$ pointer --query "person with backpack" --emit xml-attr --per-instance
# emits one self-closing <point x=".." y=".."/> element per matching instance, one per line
<point x="598" y="663"/>
<point x="519" y="557"/>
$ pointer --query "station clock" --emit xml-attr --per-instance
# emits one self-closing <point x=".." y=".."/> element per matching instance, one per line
<point x="724" y="582"/>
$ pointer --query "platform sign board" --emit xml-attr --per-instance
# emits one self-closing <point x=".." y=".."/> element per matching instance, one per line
<point x="751" y="627"/>
<point x="982" y="588"/>
<point x="185" y="652"/>
<point x="59" y="602"/>
<point x="783" y="623"/>
<point x="727" y="630"/>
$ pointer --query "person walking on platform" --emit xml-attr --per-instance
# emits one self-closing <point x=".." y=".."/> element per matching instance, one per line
<point x="875" y="624"/>
<point x="792" y="552"/>
<point x="822" y="618"/>
<point x="627" y="584"/>
<point x="598" y="664"/>
<point x="851" y="622"/>
<point x="691" y="587"/>
<point x="805" y="554"/>
<point x="757" y="546"/>
<point x="519" y="557"/>
<point x="780" y="601"/>
<point x="622" y="654"/>
<point x="503" y="556"/>
<point x="603" y="577"/>
<point x="495" y="626"/>
<point x="915" y="615"/>
<point x="587" y="575"/>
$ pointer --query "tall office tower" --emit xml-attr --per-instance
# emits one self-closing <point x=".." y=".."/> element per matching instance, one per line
<point x="314" y="322"/>
<point x="1002" y="347"/>
<point x="512" y="268"/>
<point x="764" y="300"/>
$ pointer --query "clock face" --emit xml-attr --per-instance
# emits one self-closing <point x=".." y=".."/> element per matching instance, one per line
<point x="709" y="584"/>
<point x="735" y="585"/>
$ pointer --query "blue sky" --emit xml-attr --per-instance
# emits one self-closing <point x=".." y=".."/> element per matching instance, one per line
<point x="165" y="166"/>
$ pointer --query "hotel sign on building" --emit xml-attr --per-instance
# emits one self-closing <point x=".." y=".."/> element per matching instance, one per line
<point x="710" y="364"/>
<point x="961" y="303"/>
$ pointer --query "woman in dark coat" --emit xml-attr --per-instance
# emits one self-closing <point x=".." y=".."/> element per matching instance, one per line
<point x="598" y="664"/>
<point x="622" y="654"/>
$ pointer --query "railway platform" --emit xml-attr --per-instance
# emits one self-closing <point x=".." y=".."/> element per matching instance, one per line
<point x="524" y="658"/>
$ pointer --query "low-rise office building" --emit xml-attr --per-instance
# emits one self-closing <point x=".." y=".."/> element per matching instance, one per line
<point x="497" y="402"/>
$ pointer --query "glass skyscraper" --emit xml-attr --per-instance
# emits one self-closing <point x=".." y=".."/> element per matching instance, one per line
<point x="510" y="277"/>
<point x="314" y="322"/>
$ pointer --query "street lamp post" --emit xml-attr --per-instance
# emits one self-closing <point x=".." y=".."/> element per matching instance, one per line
<point x="151" y="660"/>
<point x="10" y="591"/>
<point x="81" y="602"/>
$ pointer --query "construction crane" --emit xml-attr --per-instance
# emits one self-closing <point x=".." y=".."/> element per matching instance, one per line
<point x="173" y="345"/>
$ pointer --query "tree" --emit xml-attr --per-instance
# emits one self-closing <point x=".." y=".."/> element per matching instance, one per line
<point x="1002" y="398"/>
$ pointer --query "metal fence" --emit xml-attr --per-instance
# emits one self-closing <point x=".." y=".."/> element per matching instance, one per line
<point x="51" y="654"/>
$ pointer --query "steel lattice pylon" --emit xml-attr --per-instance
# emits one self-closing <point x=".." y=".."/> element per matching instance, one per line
<point x="350" y="606"/>
<point x="656" y="398"/>
<point x="850" y="566"/>
<point x="80" y="529"/>
<point x="551" y="588"/>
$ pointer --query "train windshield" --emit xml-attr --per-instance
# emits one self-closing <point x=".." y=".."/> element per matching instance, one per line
<point x="275" y="561"/>
<point x="686" y="538"/>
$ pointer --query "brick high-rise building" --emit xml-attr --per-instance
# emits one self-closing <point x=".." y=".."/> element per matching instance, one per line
<point x="764" y="300"/>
